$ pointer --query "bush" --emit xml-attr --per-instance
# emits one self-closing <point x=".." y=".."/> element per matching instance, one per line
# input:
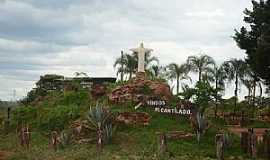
<point x="26" y="114"/>
<point x="58" y="117"/>
<point x="75" y="97"/>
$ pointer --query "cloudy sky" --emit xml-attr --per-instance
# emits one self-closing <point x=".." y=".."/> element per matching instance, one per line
<point x="65" y="36"/>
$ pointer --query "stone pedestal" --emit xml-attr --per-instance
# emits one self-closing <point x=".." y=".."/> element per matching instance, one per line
<point x="140" y="75"/>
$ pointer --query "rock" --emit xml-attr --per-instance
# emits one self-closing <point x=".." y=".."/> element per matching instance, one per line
<point x="98" y="90"/>
<point x="140" y="89"/>
<point x="140" y="118"/>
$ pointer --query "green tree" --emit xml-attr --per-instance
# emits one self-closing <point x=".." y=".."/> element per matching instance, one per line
<point x="203" y="94"/>
<point x="78" y="74"/>
<point x="156" y="72"/>
<point x="200" y="64"/>
<point x="218" y="76"/>
<point x="178" y="72"/>
<point x="126" y="64"/>
<point x="248" y="84"/>
<point x="235" y="69"/>
<point x="255" y="38"/>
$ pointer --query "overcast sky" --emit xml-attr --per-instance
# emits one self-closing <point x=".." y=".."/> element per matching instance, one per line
<point x="65" y="36"/>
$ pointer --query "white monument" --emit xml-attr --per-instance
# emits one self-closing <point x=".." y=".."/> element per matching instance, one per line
<point x="141" y="51"/>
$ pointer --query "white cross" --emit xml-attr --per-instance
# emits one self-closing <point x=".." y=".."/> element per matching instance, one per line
<point x="141" y="56"/>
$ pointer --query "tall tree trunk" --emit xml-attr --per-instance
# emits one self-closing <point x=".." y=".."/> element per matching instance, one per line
<point x="235" y="93"/>
<point x="130" y="75"/>
<point x="122" y="66"/>
<point x="200" y="75"/>
<point x="177" y="84"/>
<point x="254" y="93"/>
<point x="216" y="98"/>
<point x="249" y="94"/>
<point x="253" y="97"/>
<point x="261" y="92"/>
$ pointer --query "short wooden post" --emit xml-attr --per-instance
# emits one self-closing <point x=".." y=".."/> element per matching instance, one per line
<point x="252" y="143"/>
<point x="266" y="144"/>
<point x="162" y="143"/>
<point x="244" y="141"/>
<point x="7" y="122"/>
<point x="99" y="139"/>
<point x="25" y="136"/>
<point x="54" y="141"/>
<point x="8" y="113"/>
<point x="243" y="120"/>
<point x="220" y="146"/>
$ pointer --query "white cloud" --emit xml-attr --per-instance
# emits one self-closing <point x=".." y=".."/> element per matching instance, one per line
<point x="39" y="37"/>
<point x="206" y="14"/>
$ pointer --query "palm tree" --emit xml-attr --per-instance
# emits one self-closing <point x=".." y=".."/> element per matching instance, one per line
<point x="200" y="64"/>
<point x="219" y="76"/>
<point x="155" y="71"/>
<point x="78" y="74"/>
<point x="127" y="65"/>
<point x="178" y="72"/>
<point x="235" y="70"/>
<point x="248" y="84"/>
<point x="251" y="81"/>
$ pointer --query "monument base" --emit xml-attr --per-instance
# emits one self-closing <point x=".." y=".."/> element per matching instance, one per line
<point x="140" y="75"/>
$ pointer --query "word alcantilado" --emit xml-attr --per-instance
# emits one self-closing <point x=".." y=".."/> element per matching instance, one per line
<point x="173" y="110"/>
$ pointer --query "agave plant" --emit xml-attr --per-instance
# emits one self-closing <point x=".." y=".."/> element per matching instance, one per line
<point x="100" y="120"/>
<point x="108" y="132"/>
<point x="98" y="117"/>
<point x="201" y="125"/>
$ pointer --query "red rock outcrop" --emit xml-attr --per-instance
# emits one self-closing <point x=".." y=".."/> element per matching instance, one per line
<point x="140" y="118"/>
<point x="98" y="90"/>
<point x="140" y="89"/>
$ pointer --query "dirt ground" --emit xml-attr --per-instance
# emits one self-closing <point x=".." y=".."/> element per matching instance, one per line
<point x="238" y="130"/>
<point x="3" y="155"/>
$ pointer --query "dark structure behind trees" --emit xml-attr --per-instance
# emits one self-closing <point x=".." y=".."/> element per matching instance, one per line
<point x="53" y="82"/>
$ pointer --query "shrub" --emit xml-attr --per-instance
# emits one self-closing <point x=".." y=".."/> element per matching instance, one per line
<point x="24" y="114"/>
<point x="75" y="97"/>
<point x="56" y="118"/>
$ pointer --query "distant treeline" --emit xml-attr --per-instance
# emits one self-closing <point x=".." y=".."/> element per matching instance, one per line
<point x="5" y="104"/>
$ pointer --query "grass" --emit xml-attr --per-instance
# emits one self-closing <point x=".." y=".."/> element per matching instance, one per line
<point x="129" y="142"/>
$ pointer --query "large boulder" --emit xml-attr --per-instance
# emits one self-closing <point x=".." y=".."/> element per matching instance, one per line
<point x="140" y="89"/>
<point x="98" y="90"/>
<point x="140" y="118"/>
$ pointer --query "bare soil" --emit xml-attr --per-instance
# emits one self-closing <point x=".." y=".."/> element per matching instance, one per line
<point x="238" y="130"/>
<point x="4" y="155"/>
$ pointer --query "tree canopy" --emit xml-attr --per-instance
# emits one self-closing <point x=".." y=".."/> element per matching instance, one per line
<point x="255" y="38"/>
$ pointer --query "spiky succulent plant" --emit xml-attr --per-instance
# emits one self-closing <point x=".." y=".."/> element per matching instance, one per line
<point x="100" y="119"/>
